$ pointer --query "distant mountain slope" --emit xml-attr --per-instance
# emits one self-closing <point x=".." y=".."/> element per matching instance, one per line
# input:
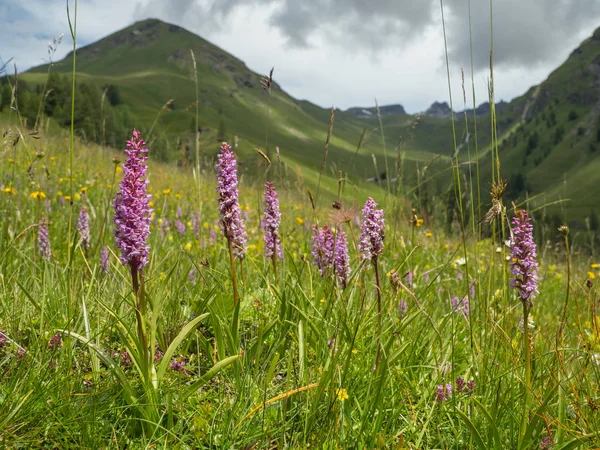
<point x="150" y="63"/>
<point x="553" y="152"/>
<point x="386" y="110"/>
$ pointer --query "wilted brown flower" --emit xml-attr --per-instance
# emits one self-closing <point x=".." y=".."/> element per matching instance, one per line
<point x="498" y="189"/>
<point x="343" y="214"/>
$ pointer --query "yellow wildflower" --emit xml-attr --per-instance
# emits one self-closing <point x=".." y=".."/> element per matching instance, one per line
<point x="342" y="394"/>
<point x="67" y="198"/>
<point x="595" y="266"/>
<point x="419" y="222"/>
<point x="354" y="351"/>
<point x="177" y="195"/>
<point x="119" y="169"/>
<point x="591" y="275"/>
<point x="188" y="246"/>
<point x="322" y="300"/>
<point x="83" y="189"/>
<point x="300" y="220"/>
<point x="38" y="195"/>
<point x="166" y="191"/>
<point x="552" y="268"/>
<point x="428" y="233"/>
<point x="150" y="204"/>
<point x="10" y="190"/>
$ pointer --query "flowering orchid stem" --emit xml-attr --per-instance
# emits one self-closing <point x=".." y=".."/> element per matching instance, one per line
<point x="378" y="312"/>
<point x="236" y="297"/>
<point x="274" y="260"/>
<point x="527" y="362"/>
<point x="140" y="314"/>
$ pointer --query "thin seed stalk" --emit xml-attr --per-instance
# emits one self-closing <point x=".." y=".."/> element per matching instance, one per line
<point x="562" y="410"/>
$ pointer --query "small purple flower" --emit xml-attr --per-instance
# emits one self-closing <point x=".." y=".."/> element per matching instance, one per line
<point x="104" y="259"/>
<point x="212" y="237"/>
<point x="158" y="355"/>
<point x="232" y="225"/>
<point x="164" y="227"/>
<point x="178" y="213"/>
<point x="449" y="389"/>
<point x="48" y="206"/>
<point x="372" y="231"/>
<point x="460" y="384"/>
<point x="3" y="339"/>
<point x="270" y="223"/>
<point x="131" y="204"/>
<point x="83" y="228"/>
<point x="43" y="240"/>
<point x="454" y="302"/>
<point x="472" y="290"/>
<point x="196" y="224"/>
<point x="426" y="277"/>
<point x="465" y="387"/>
<point x="523" y="264"/>
<point x="55" y="342"/>
<point x="402" y="308"/>
<point x="459" y="276"/>
<point x="180" y="226"/>
<point x="409" y="276"/>
<point x="440" y="393"/>
<point x="322" y="248"/>
<point x="341" y="262"/>
<point x="125" y="358"/>
<point x="471" y="385"/>
<point x="192" y="276"/>
<point x="546" y="443"/>
<point x="178" y="364"/>
<point x="465" y="307"/>
<point x="460" y="306"/>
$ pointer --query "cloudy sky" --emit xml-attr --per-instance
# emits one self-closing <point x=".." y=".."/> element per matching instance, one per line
<point x="339" y="52"/>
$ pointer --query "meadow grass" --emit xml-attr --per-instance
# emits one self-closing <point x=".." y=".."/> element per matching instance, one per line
<point x="307" y="348"/>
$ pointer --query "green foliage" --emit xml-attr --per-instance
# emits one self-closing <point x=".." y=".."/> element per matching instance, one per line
<point x="5" y="96"/>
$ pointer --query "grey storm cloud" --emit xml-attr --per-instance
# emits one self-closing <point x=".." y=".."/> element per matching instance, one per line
<point x="526" y="32"/>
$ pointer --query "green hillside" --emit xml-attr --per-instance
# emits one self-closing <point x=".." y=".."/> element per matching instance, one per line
<point x="552" y="153"/>
<point x="549" y="138"/>
<point x="150" y="64"/>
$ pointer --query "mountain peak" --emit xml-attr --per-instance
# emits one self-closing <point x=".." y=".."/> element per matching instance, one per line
<point x="439" y="109"/>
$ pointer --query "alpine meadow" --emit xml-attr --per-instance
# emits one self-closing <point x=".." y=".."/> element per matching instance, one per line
<point x="191" y="257"/>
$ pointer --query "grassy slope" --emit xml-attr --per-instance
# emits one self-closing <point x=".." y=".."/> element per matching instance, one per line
<point x="150" y="63"/>
<point x="565" y="168"/>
